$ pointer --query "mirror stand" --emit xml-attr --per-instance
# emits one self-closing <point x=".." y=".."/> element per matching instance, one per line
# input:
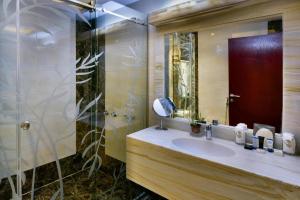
<point x="161" y="127"/>
<point x="163" y="107"/>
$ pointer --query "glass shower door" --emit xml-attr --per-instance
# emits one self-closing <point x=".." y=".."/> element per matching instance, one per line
<point x="8" y="100"/>
<point x="58" y="64"/>
<point x="125" y="77"/>
<point x="59" y="73"/>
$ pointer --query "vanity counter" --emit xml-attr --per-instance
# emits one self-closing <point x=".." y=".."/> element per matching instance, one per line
<point x="284" y="169"/>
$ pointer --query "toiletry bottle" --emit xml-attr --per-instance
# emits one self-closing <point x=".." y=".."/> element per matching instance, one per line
<point x="261" y="142"/>
<point x="255" y="142"/>
<point x="270" y="145"/>
<point x="208" y="132"/>
<point x="278" y="142"/>
<point x="240" y="133"/>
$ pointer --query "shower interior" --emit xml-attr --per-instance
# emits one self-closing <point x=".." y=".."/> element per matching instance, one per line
<point x="73" y="83"/>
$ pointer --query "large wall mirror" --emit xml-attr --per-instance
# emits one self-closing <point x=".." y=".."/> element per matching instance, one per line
<point x="231" y="73"/>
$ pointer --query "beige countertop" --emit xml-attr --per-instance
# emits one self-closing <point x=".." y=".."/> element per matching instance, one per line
<point x="285" y="169"/>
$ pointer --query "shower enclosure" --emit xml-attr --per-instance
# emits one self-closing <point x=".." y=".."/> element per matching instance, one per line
<point x="73" y="84"/>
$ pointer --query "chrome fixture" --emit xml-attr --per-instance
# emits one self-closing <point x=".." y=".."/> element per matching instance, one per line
<point x="25" y="125"/>
<point x="92" y="5"/>
<point x="80" y="3"/>
<point x="215" y="122"/>
<point x="208" y="132"/>
<point x="114" y="114"/>
<point x="233" y="96"/>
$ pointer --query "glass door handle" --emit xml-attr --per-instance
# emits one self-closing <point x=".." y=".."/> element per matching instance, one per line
<point x="25" y="125"/>
<point x="114" y="114"/>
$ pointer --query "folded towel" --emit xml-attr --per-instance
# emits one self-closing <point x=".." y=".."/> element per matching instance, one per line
<point x="240" y="133"/>
<point x="242" y="125"/>
<point x="289" y="143"/>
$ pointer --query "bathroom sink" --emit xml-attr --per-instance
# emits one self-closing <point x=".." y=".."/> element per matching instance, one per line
<point x="202" y="147"/>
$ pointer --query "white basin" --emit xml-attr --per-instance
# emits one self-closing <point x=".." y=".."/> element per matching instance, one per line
<point x="202" y="147"/>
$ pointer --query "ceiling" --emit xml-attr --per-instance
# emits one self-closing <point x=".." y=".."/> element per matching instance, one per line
<point x="124" y="2"/>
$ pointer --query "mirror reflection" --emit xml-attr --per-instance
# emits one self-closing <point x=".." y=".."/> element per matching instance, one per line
<point x="230" y="73"/>
<point x="163" y="107"/>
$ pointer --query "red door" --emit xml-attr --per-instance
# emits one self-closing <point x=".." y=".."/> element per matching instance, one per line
<point x="255" y="77"/>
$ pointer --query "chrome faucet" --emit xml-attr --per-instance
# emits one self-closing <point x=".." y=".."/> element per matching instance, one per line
<point x="208" y="132"/>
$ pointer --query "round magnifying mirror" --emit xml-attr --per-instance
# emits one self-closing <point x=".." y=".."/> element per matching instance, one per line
<point x="163" y="107"/>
